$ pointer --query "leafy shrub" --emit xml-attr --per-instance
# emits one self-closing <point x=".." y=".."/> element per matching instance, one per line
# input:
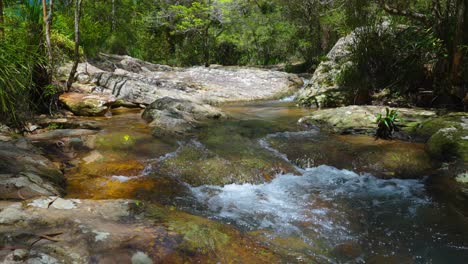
<point x="387" y="125"/>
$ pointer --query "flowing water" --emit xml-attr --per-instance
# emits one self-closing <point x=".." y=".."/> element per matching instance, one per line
<point x="328" y="208"/>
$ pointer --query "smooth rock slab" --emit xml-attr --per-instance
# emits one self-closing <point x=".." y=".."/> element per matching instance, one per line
<point x="139" y="82"/>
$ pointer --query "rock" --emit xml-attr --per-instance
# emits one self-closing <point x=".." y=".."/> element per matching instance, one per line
<point x="175" y="116"/>
<point x="122" y="231"/>
<point x="25" y="186"/>
<point x="61" y="133"/>
<point x="139" y="82"/>
<point x="63" y="204"/>
<point x="462" y="178"/>
<point x="26" y="174"/>
<point x="87" y="104"/>
<point x="141" y="258"/>
<point x="359" y="153"/>
<point x="446" y="136"/>
<point x="323" y="89"/>
<point x="361" y="119"/>
<point x="5" y="133"/>
<point x="449" y="144"/>
<point x="93" y="156"/>
<point x="20" y="254"/>
<point x="197" y="165"/>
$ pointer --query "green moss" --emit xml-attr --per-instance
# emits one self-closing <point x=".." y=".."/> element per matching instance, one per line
<point x="199" y="237"/>
<point x="449" y="144"/>
<point x="429" y="127"/>
<point x="65" y="45"/>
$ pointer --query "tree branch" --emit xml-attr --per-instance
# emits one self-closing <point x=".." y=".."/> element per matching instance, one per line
<point x="406" y="13"/>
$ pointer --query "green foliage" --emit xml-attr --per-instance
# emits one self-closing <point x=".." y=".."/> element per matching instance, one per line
<point x="390" y="56"/>
<point x="387" y="125"/>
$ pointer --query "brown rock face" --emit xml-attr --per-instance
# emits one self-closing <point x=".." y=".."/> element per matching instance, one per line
<point x="87" y="104"/>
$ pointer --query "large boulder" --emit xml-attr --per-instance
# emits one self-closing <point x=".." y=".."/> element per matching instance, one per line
<point x="139" y="82"/>
<point x="25" y="174"/>
<point x="323" y="89"/>
<point x="176" y="116"/>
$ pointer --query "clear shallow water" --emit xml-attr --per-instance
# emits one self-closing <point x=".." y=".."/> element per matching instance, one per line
<point x="332" y="207"/>
<point x="338" y="215"/>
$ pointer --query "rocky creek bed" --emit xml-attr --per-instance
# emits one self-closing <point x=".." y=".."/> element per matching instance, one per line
<point x="196" y="181"/>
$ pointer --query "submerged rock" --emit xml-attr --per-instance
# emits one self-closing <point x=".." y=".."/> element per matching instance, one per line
<point x="362" y="154"/>
<point x="198" y="165"/>
<point x="176" y="116"/>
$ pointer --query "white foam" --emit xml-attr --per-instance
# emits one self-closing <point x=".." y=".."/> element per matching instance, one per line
<point x="319" y="201"/>
<point x="122" y="178"/>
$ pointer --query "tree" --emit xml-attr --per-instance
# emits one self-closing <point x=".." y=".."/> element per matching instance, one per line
<point x="76" y="58"/>
<point x="2" y="20"/>
<point x="47" y="16"/>
<point x="449" y="20"/>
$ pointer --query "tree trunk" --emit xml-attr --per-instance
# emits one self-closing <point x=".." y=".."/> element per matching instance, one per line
<point x="71" y="77"/>
<point x="2" y="20"/>
<point x="113" y="23"/>
<point x="47" y="22"/>
<point x="456" y="68"/>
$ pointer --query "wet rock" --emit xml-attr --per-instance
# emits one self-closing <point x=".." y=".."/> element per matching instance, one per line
<point x="175" y="116"/>
<point x="26" y="174"/>
<point x="363" y="154"/>
<point x="61" y="133"/>
<point x="361" y="119"/>
<point x="87" y="104"/>
<point x="123" y="231"/>
<point x="198" y="165"/>
<point x="348" y="251"/>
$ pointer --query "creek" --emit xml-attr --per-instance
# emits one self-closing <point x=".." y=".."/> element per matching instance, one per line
<point x="306" y="195"/>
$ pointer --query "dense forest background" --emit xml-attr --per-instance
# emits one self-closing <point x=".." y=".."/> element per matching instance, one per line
<point x="404" y="45"/>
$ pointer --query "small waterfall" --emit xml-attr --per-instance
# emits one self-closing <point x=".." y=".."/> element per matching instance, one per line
<point x="291" y="98"/>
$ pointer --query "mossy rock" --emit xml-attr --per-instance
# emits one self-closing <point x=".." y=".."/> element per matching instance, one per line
<point x="428" y="128"/>
<point x="207" y="240"/>
<point x="362" y="119"/>
<point x="449" y="143"/>
<point x="197" y="165"/>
